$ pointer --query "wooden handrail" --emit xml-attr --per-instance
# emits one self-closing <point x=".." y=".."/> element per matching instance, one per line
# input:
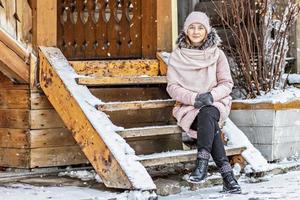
<point x="12" y="44"/>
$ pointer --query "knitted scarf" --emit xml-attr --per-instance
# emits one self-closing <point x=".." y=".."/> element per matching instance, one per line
<point x="193" y="67"/>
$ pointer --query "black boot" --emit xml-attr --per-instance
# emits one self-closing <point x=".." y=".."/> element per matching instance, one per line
<point x="230" y="184"/>
<point x="200" y="171"/>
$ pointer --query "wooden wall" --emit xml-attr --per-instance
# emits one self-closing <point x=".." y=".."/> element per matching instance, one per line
<point x="16" y="19"/>
<point x="31" y="133"/>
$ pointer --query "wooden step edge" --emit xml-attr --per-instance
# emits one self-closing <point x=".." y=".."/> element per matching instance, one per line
<point x="179" y="156"/>
<point x="150" y="131"/>
<point x="132" y="80"/>
<point x="135" y="105"/>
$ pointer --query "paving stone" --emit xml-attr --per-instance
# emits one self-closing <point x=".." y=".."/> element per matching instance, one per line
<point x="167" y="187"/>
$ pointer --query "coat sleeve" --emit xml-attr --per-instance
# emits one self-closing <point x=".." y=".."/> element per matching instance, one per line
<point x="181" y="94"/>
<point x="224" y="79"/>
<point x="177" y="92"/>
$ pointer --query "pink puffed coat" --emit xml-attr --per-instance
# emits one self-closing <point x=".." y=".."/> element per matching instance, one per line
<point x="193" y="71"/>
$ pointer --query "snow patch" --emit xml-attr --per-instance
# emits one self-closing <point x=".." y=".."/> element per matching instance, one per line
<point x="274" y="96"/>
<point x="237" y="138"/>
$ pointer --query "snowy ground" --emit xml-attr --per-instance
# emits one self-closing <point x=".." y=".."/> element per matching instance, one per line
<point x="284" y="186"/>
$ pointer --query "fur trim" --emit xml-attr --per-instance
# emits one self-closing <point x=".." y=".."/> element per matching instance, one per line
<point x="212" y="39"/>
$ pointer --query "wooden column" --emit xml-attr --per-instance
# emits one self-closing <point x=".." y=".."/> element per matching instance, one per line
<point x="149" y="28"/>
<point x="164" y="25"/>
<point x="44" y="22"/>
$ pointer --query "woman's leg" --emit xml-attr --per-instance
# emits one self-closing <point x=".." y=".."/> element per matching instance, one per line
<point x="206" y="128"/>
<point x="209" y="141"/>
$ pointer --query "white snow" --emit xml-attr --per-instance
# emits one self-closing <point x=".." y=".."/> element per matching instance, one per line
<point x="275" y="96"/>
<point x="237" y="138"/>
<point x="292" y="78"/>
<point x="83" y="175"/>
<point x="284" y="186"/>
<point x="29" y="192"/>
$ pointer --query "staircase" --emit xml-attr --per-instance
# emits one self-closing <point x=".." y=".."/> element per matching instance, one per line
<point x="96" y="123"/>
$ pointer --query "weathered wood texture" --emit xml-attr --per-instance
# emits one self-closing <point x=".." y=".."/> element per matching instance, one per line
<point x="78" y="116"/>
<point x="236" y="105"/>
<point x="117" y="68"/>
<point x="114" y="29"/>
<point x="129" y="80"/>
<point x="15" y="19"/>
<point x="136" y="105"/>
<point x="44" y="23"/>
<point x="56" y="156"/>
<point x="7" y="84"/>
<point x="39" y="100"/>
<point x="12" y="65"/>
<point x="180" y="156"/>
<point x="164" y="25"/>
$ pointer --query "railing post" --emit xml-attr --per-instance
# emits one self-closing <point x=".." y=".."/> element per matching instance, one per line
<point x="44" y="30"/>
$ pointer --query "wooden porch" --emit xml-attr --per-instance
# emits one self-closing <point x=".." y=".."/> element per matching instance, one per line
<point x="43" y="120"/>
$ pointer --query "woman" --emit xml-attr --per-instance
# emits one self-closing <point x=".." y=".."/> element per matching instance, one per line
<point x="199" y="80"/>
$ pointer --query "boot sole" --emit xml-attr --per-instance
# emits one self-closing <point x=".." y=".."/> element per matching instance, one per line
<point x="191" y="180"/>
<point x="235" y="191"/>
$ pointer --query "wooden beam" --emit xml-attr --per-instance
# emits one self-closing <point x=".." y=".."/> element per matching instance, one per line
<point x="12" y="65"/>
<point x="134" y="80"/>
<point x="44" y="23"/>
<point x="174" y="23"/>
<point x="117" y="67"/>
<point x="135" y="105"/>
<point x="149" y="28"/>
<point x="164" y="25"/>
<point x="163" y="66"/>
<point x="92" y="129"/>
<point x="13" y="45"/>
<point x="236" y="105"/>
<point x="150" y="131"/>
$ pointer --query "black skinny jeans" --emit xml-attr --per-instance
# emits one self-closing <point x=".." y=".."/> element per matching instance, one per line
<point x="209" y="134"/>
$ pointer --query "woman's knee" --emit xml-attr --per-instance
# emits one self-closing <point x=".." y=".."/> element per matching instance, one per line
<point x="209" y="111"/>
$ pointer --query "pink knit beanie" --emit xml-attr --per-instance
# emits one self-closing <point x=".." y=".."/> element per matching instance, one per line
<point x="197" y="17"/>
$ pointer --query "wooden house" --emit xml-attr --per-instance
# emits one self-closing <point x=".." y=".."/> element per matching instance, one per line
<point x="73" y="72"/>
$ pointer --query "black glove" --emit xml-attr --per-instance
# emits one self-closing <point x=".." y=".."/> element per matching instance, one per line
<point x="204" y="99"/>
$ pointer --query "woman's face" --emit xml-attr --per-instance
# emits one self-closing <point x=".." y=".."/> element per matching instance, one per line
<point x="196" y="32"/>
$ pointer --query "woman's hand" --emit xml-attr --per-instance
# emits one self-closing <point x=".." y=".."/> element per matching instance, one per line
<point x="204" y="99"/>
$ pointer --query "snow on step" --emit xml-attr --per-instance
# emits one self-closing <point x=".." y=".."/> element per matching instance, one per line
<point x="129" y="80"/>
<point x="135" y="105"/>
<point x="150" y="131"/>
<point x="180" y="156"/>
